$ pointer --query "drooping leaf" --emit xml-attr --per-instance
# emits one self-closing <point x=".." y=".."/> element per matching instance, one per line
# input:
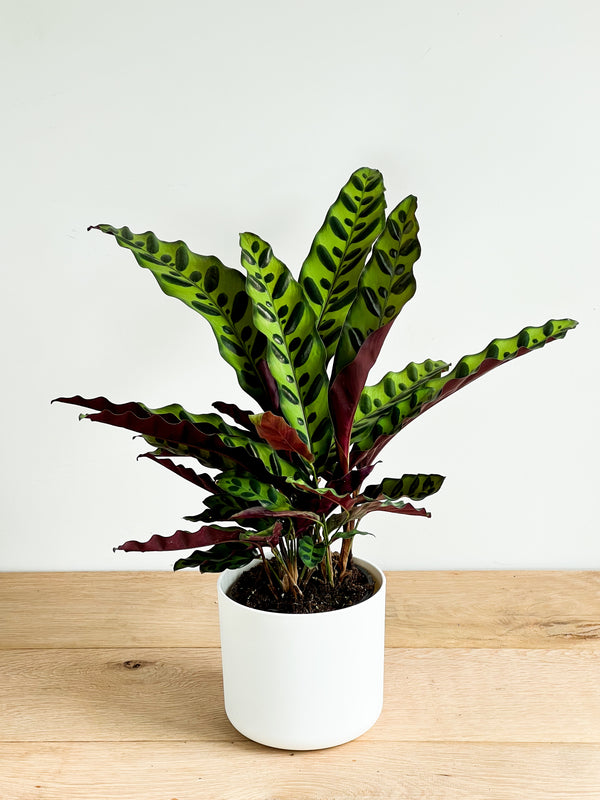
<point x="417" y="487"/>
<point x="295" y="352"/>
<point x="206" y="437"/>
<point x="386" y="284"/>
<point x="349" y="534"/>
<point x="203" y="480"/>
<point x="213" y="290"/>
<point x="261" y="511"/>
<point x="183" y="540"/>
<point x="311" y="553"/>
<point x="391" y="506"/>
<point x="468" y="369"/>
<point x="281" y="436"/>
<point x="229" y="555"/>
<point x="219" y="508"/>
<point x="330" y="273"/>
<point x="387" y="395"/>
<point x="236" y="413"/>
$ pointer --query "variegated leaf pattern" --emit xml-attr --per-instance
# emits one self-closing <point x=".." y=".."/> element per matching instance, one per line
<point x="417" y="487"/>
<point x="215" y="291"/>
<point x="250" y="489"/>
<point x="386" y="284"/>
<point x="229" y="555"/>
<point x="295" y="352"/>
<point x="389" y="395"/>
<point x="330" y="273"/>
<point x="311" y="553"/>
<point x="499" y="351"/>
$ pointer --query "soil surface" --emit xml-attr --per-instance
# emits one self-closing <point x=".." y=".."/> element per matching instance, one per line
<point x="252" y="589"/>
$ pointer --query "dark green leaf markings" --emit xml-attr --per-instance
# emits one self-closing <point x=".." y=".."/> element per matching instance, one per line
<point x="337" y="255"/>
<point x="215" y="291"/>
<point x="295" y="353"/>
<point x="386" y="283"/>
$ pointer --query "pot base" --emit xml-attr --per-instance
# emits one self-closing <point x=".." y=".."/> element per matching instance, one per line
<point x="303" y="681"/>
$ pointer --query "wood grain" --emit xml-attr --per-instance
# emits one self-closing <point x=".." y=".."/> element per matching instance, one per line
<point x="176" y="694"/>
<point x="424" y="609"/>
<point x="111" y="688"/>
<point x="241" y="770"/>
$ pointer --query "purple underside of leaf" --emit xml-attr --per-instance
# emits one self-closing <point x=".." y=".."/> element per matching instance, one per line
<point x="351" y="481"/>
<point x="406" y="508"/>
<point x="102" y="404"/>
<point x="131" y="417"/>
<point x="271" y="386"/>
<point x="236" y="413"/>
<point x="362" y="458"/>
<point x="347" y="386"/>
<point x="184" y="540"/>
<point x="203" y="480"/>
<point x="260" y="511"/>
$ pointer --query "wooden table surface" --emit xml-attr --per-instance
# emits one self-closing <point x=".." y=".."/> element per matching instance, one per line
<point x="110" y="689"/>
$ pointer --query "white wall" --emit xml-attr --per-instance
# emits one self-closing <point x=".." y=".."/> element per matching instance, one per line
<point x="199" y="120"/>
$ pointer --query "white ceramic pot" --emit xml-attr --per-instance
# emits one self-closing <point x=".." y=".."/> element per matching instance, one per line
<point x="303" y="681"/>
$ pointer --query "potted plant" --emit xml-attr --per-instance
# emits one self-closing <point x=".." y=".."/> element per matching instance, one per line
<point x="302" y="620"/>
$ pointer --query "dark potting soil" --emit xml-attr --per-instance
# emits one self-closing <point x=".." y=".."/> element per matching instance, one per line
<point x="252" y="589"/>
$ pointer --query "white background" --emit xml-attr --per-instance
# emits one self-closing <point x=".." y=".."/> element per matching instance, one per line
<point x="199" y="120"/>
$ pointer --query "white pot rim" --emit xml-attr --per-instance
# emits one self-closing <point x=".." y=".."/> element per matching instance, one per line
<point x="228" y="577"/>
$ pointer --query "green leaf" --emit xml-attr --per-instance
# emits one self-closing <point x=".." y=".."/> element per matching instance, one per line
<point x="434" y="390"/>
<point x="311" y="553"/>
<point x="417" y="487"/>
<point x="330" y="273"/>
<point x="389" y="396"/>
<point x="213" y="290"/>
<point x="295" y="352"/>
<point x="386" y="284"/>
<point x="250" y="489"/>
<point x="349" y="534"/>
<point x="230" y="555"/>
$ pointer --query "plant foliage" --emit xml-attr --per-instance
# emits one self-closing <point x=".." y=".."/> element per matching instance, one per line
<point x="288" y="478"/>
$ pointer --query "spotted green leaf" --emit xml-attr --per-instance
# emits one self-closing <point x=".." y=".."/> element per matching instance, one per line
<point x="387" y="396"/>
<point x="295" y="352"/>
<point x="330" y="273"/>
<point x="250" y="489"/>
<point x="229" y="555"/>
<point x="386" y="284"/>
<point x="215" y="291"/>
<point x="311" y="553"/>
<point x="417" y="487"/>
<point x="392" y="419"/>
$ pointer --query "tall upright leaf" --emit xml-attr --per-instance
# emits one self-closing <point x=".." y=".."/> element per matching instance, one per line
<point x="295" y="352"/>
<point x="330" y="273"/>
<point x="386" y="284"/>
<point x="215" y="291"/>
